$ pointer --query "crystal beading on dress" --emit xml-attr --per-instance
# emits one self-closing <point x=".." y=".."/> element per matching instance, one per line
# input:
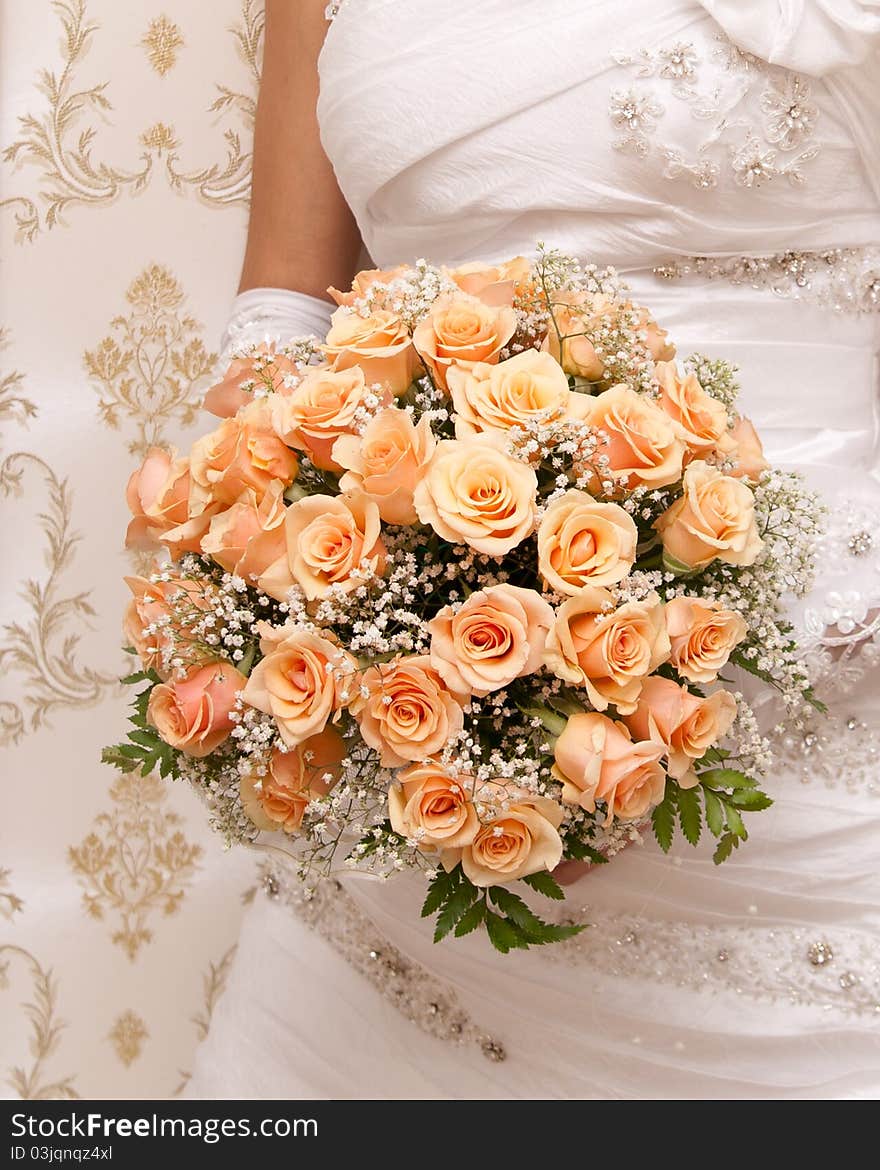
<point x="846" y="280"/>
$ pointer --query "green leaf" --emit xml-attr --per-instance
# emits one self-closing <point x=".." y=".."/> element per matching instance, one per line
<point x="672" y="565"/>
<point x="751" y="798"/>
<point x="502" y="934"/>
<point x="471" y="919"/>
<point x="735" y="823"/>
<point x="439" y="890"/>
<point x="516" y="909"/>
<point x="663" y="820"/>
<point x="460" y="900"/>
<point x="580" y="851"/>
<point x="690" y="815"/>
<point x="714" y="812"/>
<point x="545" y="884"/>
<point x="553" y="933"/>
<point x="726" y="846"/>
<point x="147" y="739"/>
<point x="726" y="778"/>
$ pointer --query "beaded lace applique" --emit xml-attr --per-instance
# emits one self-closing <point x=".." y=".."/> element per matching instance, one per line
<point x="332" y="9"/>
<point x="414" y="991"/>
<point x="844" y="279"/>
<point x="840" y="971"/>
<point x="755" y="147"/>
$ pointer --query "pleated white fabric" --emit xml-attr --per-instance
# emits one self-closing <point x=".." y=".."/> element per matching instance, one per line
<point x="472" y="136"/>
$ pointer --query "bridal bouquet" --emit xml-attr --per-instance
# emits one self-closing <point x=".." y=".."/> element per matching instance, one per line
<point x="462" y="587"/>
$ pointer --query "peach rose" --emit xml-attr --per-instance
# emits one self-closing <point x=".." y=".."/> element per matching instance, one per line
<point x="154" y="606"/>
<point x="702" y="420"/>
<point x="575" y="317"/>
<point x="512" y="393"/>
<point x="643" y="446"/>
<point x="243" y="452"/>
<point x="584" y="542"/>
<point x="294" y="779"/>
<point x="409" y="714"/>
<point x="303" y="681"/>
<point x="703" y="635"/>
<point x="609" y="651"/>
<point x="427" y="804"/>
<point x="323" y="406"/>
<point x="262" y="369"/>
<point x="193" y="713"/>
<point x="474" y="493"/>
<point x="521" y="839"/>
<point x="387" y="461"/>
<point x="329" y="541"/>
<point x="748" y="453"/>
<point x="364" y="281"/>
<point x="493" y="284"/>
<point x="495" y="636"/>
<point x="660" y="349"/>
<point x="158" y="498"/>
<point x="249" y="536"/>
<point x="713" y="519"/>
<point x="686" y="724"/>
<point x="379" y="345"/>
<point x="462" y="331"/>
<point x="597" y="760"/>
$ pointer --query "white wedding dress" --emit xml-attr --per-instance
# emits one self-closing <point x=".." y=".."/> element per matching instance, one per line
<point x="646" y="136"/>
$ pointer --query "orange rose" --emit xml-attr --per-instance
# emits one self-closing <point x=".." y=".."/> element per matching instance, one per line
<point x="584" y="542"/>
<point x="497" y="635"/>
<point x="609" y="651"/>
<point x="713" y="519"/>
<point x="521" y="839"/>
<point x="386" y="462"/>
<point x="643" y="446"/>
<point x="474" y="493"/>
<point x="493" y="284"/>
<point x="660" y="349"/>
<point x="408" y="715"/>
<point x="249" y="536"/>
<point x="428" y="805"/>
<point x="379" y="345"/>
<point x="575" y="317"/>
<point x="323" y="406"/>
<point x="158" y="497"/>
<point x="193" y="713"/>
<point x="597" y="760"/>
<point x="152" y="623"/>
<point x="304" y="680"/>
<point x="702" y="420"/>
<point x="364" y="281"/>
<point x="243" y="452"/>
<point x="329" y="542"/>
<point x="262" y="369"/>
<point x="748" y="453"/>
<point x="703" y="635"/>
<point x="462" y="331"/>
<point x="294" y="779"/>
<point x="513" y="393"/>
<point x="685" y="723"/>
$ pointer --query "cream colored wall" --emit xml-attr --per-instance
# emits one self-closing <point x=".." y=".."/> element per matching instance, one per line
<point x="125" y="131"/>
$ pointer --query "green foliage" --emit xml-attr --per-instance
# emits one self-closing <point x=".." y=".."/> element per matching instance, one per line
<point x="726" y="793"/>
<point x="663" y="818"/>
<point x="462" y="908"/>
<point x="544" y="883"/>
<point x="144" y="750"/>
<point x="580" y="851"/>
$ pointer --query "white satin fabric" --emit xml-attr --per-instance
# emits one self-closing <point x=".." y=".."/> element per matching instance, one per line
<point x="469" y="137"/>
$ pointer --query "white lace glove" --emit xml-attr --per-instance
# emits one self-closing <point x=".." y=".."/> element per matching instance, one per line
<point x="274" y="314"/>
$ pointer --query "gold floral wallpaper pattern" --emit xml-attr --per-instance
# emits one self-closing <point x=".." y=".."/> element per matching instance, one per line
<point x="125" y="139"/>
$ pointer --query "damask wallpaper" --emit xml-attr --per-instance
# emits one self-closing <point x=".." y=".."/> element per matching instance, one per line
<point x="125" y="134"/>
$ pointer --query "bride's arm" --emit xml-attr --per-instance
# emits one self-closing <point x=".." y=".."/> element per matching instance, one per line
<point x="302" y="235"/>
